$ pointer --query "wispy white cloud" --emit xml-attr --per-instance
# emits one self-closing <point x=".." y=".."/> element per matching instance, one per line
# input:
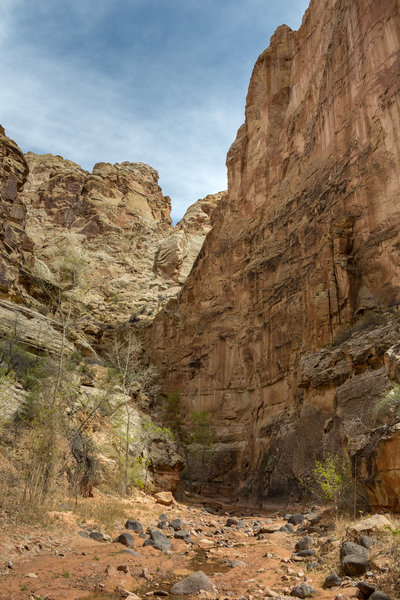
<point x="76" y="84"/>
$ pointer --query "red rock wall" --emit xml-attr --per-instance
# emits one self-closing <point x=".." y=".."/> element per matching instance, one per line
<point x="308" y="238"/>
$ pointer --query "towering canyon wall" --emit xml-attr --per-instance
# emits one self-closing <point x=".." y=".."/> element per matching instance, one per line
<point x="307" y="242"/>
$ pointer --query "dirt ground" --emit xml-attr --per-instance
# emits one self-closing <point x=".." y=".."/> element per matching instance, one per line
<point x="53" y="562"/>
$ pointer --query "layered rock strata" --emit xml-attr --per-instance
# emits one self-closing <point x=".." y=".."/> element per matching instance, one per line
<point x="15" y="245"/>
<point x="114" y="224"/>
<point x="117" y="221"/>
<point x="306" y="243"/>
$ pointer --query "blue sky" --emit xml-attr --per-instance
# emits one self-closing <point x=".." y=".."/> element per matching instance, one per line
<point x="156" y="81"/>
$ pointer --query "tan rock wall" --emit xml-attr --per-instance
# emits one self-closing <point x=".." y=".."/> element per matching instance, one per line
<point x="117" y="219"/>
<point x="308" y="239"/>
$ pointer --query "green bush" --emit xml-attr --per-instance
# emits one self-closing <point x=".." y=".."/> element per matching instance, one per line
<point x="387" y="408"/>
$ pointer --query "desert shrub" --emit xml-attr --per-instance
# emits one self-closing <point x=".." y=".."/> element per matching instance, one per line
<point x="387" y="408"/>
<point x="331" y="481"/>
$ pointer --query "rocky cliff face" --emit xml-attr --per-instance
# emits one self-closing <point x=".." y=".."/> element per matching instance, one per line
<point x="115" y="222"/>
<point x="105" y="244"/>
<point x="15" y="245"/>
<point x="306" y="243"/>
<point x="118" y="221"/>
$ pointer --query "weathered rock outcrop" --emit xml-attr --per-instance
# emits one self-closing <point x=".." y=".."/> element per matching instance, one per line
<point x="118" y="220"/>
<point x="15" y="245"/>
<point x="114" y="223"/>
<point x="307" y="242"/>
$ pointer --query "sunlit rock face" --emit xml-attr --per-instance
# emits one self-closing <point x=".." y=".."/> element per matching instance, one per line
<point x="117" y="220"/>
<point x="307" y="240"/>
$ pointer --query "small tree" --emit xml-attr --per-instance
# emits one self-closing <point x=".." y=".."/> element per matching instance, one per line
<point x="192" y="431"/>
<point x="203" y="433"/>
<point x="332" y="479"/>
<point x="124" y="358"/>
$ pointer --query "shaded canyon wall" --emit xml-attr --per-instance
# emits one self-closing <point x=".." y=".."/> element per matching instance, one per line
<point x="307" y="242"/>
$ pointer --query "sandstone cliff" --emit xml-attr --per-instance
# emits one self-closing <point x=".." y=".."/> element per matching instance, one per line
<point x="15" y="246"/>
<point x="118" y="221"/>
<point x="306" y="243"/>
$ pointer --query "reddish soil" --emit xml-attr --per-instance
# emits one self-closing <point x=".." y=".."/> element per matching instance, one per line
<point x="55" y="563"/>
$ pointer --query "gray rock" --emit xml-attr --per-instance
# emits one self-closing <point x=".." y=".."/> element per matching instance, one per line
<point x="314" y="529"/>
<point x="192" y="584"/>
<point x="352" y="548"/>
<point x="365" y="588"/>
<point x="83" y="534"/>
<point x="285" y="528"/>
<point x="305" y="553"/>
<point x="184" y="535"/>
<point x="296" y="519"/>
<point x="176" y="524"/>
<point x="235" y="563"/>
<point x="355" y="565"/>
<point x="162" y="524"/>
<point x="305" y="543"/>
<point x="302" y="591"/>
<point x="333" y="580"/>
<point x="158" y="540"/>
<point x="231" y="522"/>
<point x="97" y="536"/>
<point x="366" y="541"/>
<point x="126" y="539"/>
<point x="379" y="596"/>
<point x="313" y="517"/>
<point x="134" y="525"/>
<point x="131" y="552"/>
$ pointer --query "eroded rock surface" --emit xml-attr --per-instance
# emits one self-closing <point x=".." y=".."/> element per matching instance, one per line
<point x="15" y="245"/>
<point x="117" y="219"/>
<point x="307" y="242"/>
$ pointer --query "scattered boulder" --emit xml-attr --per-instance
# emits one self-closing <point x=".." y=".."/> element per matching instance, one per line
<point x="192" y="584"/>
<point x="231" y="522"/>
<point x="355" y="565"/>
<point x="285" y="528"/>
<point x="165" y="498"/>
<point x="296" y="519"/>
<point x="305" y="543"/>
<point x="365" y="588"/>
<point x="333" y="580"/>
<point x="313" y="517"/>
<point x="184" y="535"/>
<point x="366" y="541"/>
<point x="235" y="563"/>
<point x="134" y="525"/>
<point x="379" y="596"/>
<point x="268" y="528"/>
<point x="126" y="539"/>
<point x="97" y="536"/>
<point x="83" y="533"/>
<point x="369" y="525"/>
<point x="305" y="553"/>
<point x="303" y="591"/>
<point x="352" y="548"/>
<point x="176" y="524"/>
<point x="158" y="540"/>
<point x="131" y="552"/>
